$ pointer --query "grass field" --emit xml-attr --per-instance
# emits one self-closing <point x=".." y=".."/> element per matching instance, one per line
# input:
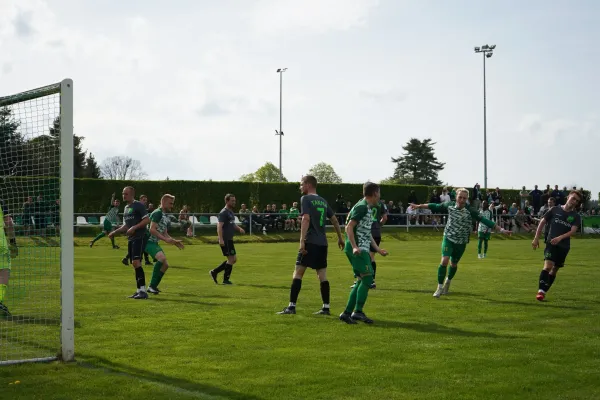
<point x="489" y="338"/>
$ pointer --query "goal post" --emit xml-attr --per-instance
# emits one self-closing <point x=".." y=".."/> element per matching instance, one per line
<point x="36" y="229"/>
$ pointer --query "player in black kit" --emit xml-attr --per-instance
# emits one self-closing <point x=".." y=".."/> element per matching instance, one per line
<point x="564" y="222"/>
<point x="135" y="219"/>
<point x="313" y="243"/>
<point x="225" y="230"/>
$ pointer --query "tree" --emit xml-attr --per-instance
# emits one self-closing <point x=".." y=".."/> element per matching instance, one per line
<point x="11" y="145"/>
<point x="92" y="170"/>
<point x="418" y="165"/>
<point x="122" y="168"/>
<point x="79" y="155"/>
<point x="267" y="173"/>
<point x="324" y="173"/>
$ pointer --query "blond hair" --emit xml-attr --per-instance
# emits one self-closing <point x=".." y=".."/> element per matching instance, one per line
<point x="462" y="190"/>
<point x="167" y="196"/>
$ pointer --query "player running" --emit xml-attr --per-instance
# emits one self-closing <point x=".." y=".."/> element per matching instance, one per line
<point x="159" y="224"/>
<point x="110" y="222"/>
<point x="483" y="232"/>
<point x="225" y="231"/>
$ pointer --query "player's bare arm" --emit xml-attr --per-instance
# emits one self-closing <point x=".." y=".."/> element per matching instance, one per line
<point x="145" y="221"/>
<point x="239" y="229"/>
<point x="303" y="231"/>
<point x="350" y="233"/>
<point x="220" y="233"/>
<point x="121" y="229"/>
<point x="557" y="239"/>
<point x="338" y="231"/>
<point x="377" y="249"/>
<point x="536" y="240"/>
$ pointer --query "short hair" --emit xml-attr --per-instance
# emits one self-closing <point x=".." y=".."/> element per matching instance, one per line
<point x="578" y="193"/>
<point x="126" y="188"/>
<point x="552" y="199"/>
<point x="142" y="196"/>
<point x="167" y="196"/>
<point x="370" y="188"/>
<point x="310" y="179"/>
<point x="462" y="190"/>
<point x="228" y="197"/>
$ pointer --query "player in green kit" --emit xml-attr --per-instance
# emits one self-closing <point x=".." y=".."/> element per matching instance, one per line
<point x="159" y="224"/>
<point x="359" y="241"/>
<point x="110" y="222"/>
<point x="483" y="232"/>
<point x="456" y="234"/>
<point x="8" y="249"/>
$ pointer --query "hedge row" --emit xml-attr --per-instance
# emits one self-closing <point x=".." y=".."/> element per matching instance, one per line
<point x="93" y="195"/>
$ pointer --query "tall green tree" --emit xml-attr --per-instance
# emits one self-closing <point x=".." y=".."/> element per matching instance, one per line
<point x="267" y="173"/>
<point x="12" y="160"/>
<point x="324" y="173"/>
<point x="92" y="170"/>
<point x="79" y="154"/>
<point x="418" y="165"/>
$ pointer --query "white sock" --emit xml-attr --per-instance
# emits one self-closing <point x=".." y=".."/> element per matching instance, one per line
<point x="292" y="304"/>
<point x="142" y="289"/>
<point x="440" y="286"/>
<point x="325" y="305"/>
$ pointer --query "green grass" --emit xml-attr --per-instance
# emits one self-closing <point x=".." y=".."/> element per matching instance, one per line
<point x="488" y="339"/>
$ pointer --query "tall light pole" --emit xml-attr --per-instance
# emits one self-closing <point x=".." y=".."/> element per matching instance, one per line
<point x="487" y="51"/>
<point x="279" y="132"/>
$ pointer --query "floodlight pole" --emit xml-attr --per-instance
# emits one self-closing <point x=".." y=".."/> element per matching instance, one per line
<point x="487" y="52"/>
<point x="279" y="133"/>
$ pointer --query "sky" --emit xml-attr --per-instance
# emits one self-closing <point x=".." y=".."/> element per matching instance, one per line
<point x="191" y="89"/>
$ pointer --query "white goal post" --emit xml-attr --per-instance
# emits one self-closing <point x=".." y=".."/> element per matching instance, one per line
<point x="37" y="314"/>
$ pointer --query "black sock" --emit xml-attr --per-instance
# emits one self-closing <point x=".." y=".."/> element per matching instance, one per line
<point x="228" y="269"/>
<point x="146" y="257"/>
<point x="544" y="280"/>
<point x="551" y="279"/>
<point x="221" y="267"/>
<point x="295" y="291"/>
<point x="325" y="292"/>
<point x="374" y="265"/>
<point x="140" y="277"/>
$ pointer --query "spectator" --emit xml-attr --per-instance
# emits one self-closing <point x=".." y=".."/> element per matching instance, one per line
<point x="393" y="210"/>
<point x="435" y="198"/>
<point x="521" y="221"/>
<point x="536" y="199"/>
<point x="546" y="196"/>
<point x="184" y="221"/>
<point x="244" y="217"/>
<point x="528" y="210"/>
<point x="293" y="218"/>
<point x="558" y="195"/>
<point x="341" y="209"/>
<point x="257" y="219"/>
<point x="452" y="194"/>
<point x="412" y="215"/>
<point x="551" y="203"/>
<point x="476" y="198"/>
<point x="523" y="194"/>
<point x="39" y="215"/>
<point x="507" y="221"/>
<point x="513" y="209"/>
<point x="283" y="217"/>
<point x="150" y="208"/>
<point x="28" y="213"/>
<point x="445" y="196"/>
<point x="497" y="196"/>
<point x="267" y="217"/>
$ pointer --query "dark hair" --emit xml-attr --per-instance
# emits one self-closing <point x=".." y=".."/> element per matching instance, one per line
<point x="311" y="180"/>
<point x="578" y="193"/>
<point x="228" y="196"/>
<point x="370" y="188"/>
<point x="553" y="199"/>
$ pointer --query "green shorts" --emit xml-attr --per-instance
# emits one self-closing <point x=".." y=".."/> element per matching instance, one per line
<point x="453" y="250"/>
<point x="152" y="248"/>
<point x="5" y="261"/>
<point x="107" y="226"/>
<point x="361" y="263"/>
<point x="484" y="235"/>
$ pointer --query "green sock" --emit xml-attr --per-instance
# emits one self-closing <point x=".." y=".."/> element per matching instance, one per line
<point x="452" y="272"/>
<point x="352" y="298"/>
<point x="363" y="292"/>
<point x="112" y="240"/>
<point x="441" y="274"/>
<point x="100" y="236"/>
<point x="157" y="274"/>
<point x="479" y="246"/>
<point x="3" y="288"/>
<point x="485" y="247"/>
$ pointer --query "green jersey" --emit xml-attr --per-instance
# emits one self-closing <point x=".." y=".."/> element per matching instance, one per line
<point x="294" y="213"/>
<point x="284" y="213"/>
<point x="487" y="214"/>
<point x="161" y="220"/>
<point x="113" y="215"/>
<point x="460" y="221"/>
<point x="362" y="214"/>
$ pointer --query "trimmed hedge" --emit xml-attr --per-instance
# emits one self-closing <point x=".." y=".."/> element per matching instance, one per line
<point x="93" y="195"/>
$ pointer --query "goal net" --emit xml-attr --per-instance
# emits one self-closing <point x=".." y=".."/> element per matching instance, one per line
<point x="36" y="225"/>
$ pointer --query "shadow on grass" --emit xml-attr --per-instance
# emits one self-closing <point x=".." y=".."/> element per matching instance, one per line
<point x="200" y="303"/>
<point x="178" y="385"/>
<point x="265" y="286"/>
<point x="537" y="304"/>
<point x="204" y="296"/>
<point x="179" y="267"/>
<point x="431" y="327"/>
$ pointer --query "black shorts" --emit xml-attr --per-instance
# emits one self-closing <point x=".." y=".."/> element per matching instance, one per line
<point x="228" y="249"/>
<point x="556" y="254"/>
<point x="377" y="240"/>
<point x="315" y="257"/>
<point x="135" y="248"/>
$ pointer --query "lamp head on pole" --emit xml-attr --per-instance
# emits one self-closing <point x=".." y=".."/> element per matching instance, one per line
<point x="281" y="70"/>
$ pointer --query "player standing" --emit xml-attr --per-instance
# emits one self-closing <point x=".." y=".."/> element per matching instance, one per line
<point x="135" y="219"/>
<point x="110" y="222"/>
<point x="126" y="260"/>
<point x="564" y="222"/>
<point x="483" y="232"/>
<point x="456" y="235"/>
<point x="225" y="230"/>
<point x="8" y="249"/>
<point x="159" y="224"/>
<point x="314" y="209"/>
